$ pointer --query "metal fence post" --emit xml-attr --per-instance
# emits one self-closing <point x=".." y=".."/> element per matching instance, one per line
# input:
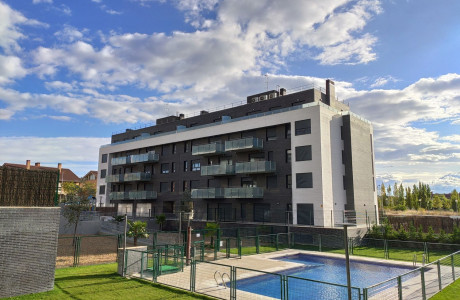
<point x="439" y="274"/>
<point x="453" y="266"/>
<point x="227" y="246"/>
<point x="240" y="243"/>
<point x="142" y="265"/>
<point x="277" y="242"/>
<point x="192" y="275"/>
<point x="232" y="283"/>
<point x="319" y="243"/>
<point x="365" y="294"/>
<point x="422" y="275"/>
<point x="399" y="288"/>
<point x="257" y="244"/>
<point x="216" y="245"/>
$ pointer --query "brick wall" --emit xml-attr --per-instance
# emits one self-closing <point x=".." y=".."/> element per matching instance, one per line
<point x="28" y="245"/>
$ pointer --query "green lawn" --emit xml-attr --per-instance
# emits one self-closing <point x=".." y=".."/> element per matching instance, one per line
<point x="102" y="282"/>
<point x="450" y="292"/>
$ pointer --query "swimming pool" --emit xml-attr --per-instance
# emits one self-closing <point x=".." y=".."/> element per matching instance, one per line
<point x="320" y="269"/>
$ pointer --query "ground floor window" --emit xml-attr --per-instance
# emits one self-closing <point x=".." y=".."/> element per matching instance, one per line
<point x="305" y="214"/>
<point x="261" y="212"/>
<point x="125" y="209"/>
<point x="143" y="210"/>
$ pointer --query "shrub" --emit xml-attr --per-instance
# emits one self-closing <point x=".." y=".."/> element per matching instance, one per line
<point x="119" y="219"/>
<point x="430" y="236"/>
<point x="412" y="232"/>
<point x="400" y="207"/>
<point x="402" y="233"/>
<point x="443" y="237"/>
<point x="420" y="234"/>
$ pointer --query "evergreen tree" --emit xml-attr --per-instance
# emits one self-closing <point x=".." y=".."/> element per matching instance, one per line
<point x="453" y="197"/>
<point x="437" y="203"/>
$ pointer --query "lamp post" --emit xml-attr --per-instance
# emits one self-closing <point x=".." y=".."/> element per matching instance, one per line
<point x="347" y="255"/>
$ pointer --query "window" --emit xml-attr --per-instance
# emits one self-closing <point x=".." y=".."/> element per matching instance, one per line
<point x="164" y="187"/>
<point x="243" y="211"/>
<point x="247" y="182"/>
<point x="194" y="184"/>
<point x="343" y="157"/>
<point x="173" y="167"/>
<point x="185" y="165"/>
<point x="173" y="186"/>
<point x="256" y="156"/>
<point x="186" y="147"/>
<point x="164" y="149"/>
<point x="196" y="165"/>
<point x="168" y="207"/>
<point x="303" y="153"/>
<point x="272" y="182"/>
<point x="104" y="158"/>
<point x="304" y="180"/>
<point x="102" y="190"/>
<point x="212" y="183"/>
<point x="271" y="156"/>
<point x="289" y="181"/>
<point x="174" y="148"/>
<point x="344" y="183"/>
<point x="287" y="131"/>
<point x="303" y="127"/>
<point x="288" y="156"/>
<point x="275" y="108"/>
<point x="261" y="212"/>
<point x="305" y="214"/>
<point x="165" y="168"/>
<point x="271" y="133"/>
<point x="103" y="173"/>
<point x="185" y="185"/>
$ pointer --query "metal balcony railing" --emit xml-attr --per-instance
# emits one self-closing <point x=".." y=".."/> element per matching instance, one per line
<point x="245" y="144"/>
<point x="135" y="159"/>
<point x="140" y="176"/>
<point x="218" y="170"/>
<point x="255" y="167"/>
<point x="208" y="149"/>
<point x="114" y="178"/>
<point x="118" y="196"/>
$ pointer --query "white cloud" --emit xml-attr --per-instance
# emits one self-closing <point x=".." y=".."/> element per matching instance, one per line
<point x="60" y="118"/>
<point x="42" y="1"/>
<point x="452" y="138"/>
<point x="381" y="81"/>
<point x="10" y="68"/>
<point x="70" y="34"/>
<point x="59" y="85"/>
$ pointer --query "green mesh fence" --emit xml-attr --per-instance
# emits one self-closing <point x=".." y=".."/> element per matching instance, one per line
<point x="249" y="282"/>
<point x="421" y="283"/>
<point x="301" y="288"/>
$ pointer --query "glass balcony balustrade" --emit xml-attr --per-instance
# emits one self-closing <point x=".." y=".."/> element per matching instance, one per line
<point x="114" y="178"/>
<point x="211" y="193"/>
<point x="133" y="195"/>
<point x="135" y="159"/>
<point x="218" y="170"/>
<point x="246" y="144"/>
<point x="208" y="149"/>
<point x="217" y="193"/>
<point x="244" y="192"/>
<point x="255" y="167"/>
<point x="140" y="176"/>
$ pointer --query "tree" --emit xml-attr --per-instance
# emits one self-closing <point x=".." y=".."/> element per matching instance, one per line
<point x="137" y="229"/>
<point x="211" y="229"/>
<point x="446" y="204"/>
<point x="77" y="200"/>
<point x="453" y="197"/>
<point x="437" y="203"/>
<point x="160" y="219"/>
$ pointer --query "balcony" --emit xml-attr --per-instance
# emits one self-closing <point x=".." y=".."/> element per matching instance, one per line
<point x="208" y="149"/>
<point x="114" y="178"/>
<point x="218" y="170"/>
<point x="218" y="193"/>
<point x="244" y="192"/>
<point x="246" y="144"/>
<point x="140" y="176"/>
<point x="133" y="195"/>
<point x="142" y="195"/>
<point x="211" y="193"/>
<point x="255" y="167"/>
<point x="135" y="159"/>
<point x="128" y="177"/>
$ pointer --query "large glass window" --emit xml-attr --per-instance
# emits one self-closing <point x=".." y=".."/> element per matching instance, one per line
<point x="304" y="180"/>
<point x="289" y="181"/>
<point x="104" y="158"/>
<point x="165" y="168"/>
<point x="185" y="165"/>
<point x="261" y="212"/>
<point x="103" y="173"/>
<point x="196" y="165"/>
<point x="102" y="190"/>
<point x="164" y="187"/>
<point x="303" y="127"/>
<point x="303" y="153"/>
<point x="305" y="214"/>
<point x="271" y="133"/>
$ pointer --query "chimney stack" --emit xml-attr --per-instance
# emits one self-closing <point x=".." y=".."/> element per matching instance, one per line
<point x="59" y="167"/>
<point x="37" y="164"/>
<point x="28" y="164"/>
<point x="330" y="91"/>
<point x="282" y="91"/>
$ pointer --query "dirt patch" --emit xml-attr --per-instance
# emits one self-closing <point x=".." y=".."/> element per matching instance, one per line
<point x="93" y="250"/>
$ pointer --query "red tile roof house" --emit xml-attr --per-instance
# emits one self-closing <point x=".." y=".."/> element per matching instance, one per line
<point x="65" y="175"/>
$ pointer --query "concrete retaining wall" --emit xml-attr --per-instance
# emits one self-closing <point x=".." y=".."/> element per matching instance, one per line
<point x="28" y="246"/>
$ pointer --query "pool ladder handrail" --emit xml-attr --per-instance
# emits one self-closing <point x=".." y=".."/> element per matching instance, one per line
<point x="221" y="278"/>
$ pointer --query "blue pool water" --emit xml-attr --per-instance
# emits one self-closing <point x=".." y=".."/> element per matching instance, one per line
<point x="318" y="268"/>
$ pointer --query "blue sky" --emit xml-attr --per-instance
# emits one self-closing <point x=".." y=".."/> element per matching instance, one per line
<point x="73" y="72"/>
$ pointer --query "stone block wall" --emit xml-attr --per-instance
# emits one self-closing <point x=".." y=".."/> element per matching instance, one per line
<point x="28" y="247"/>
